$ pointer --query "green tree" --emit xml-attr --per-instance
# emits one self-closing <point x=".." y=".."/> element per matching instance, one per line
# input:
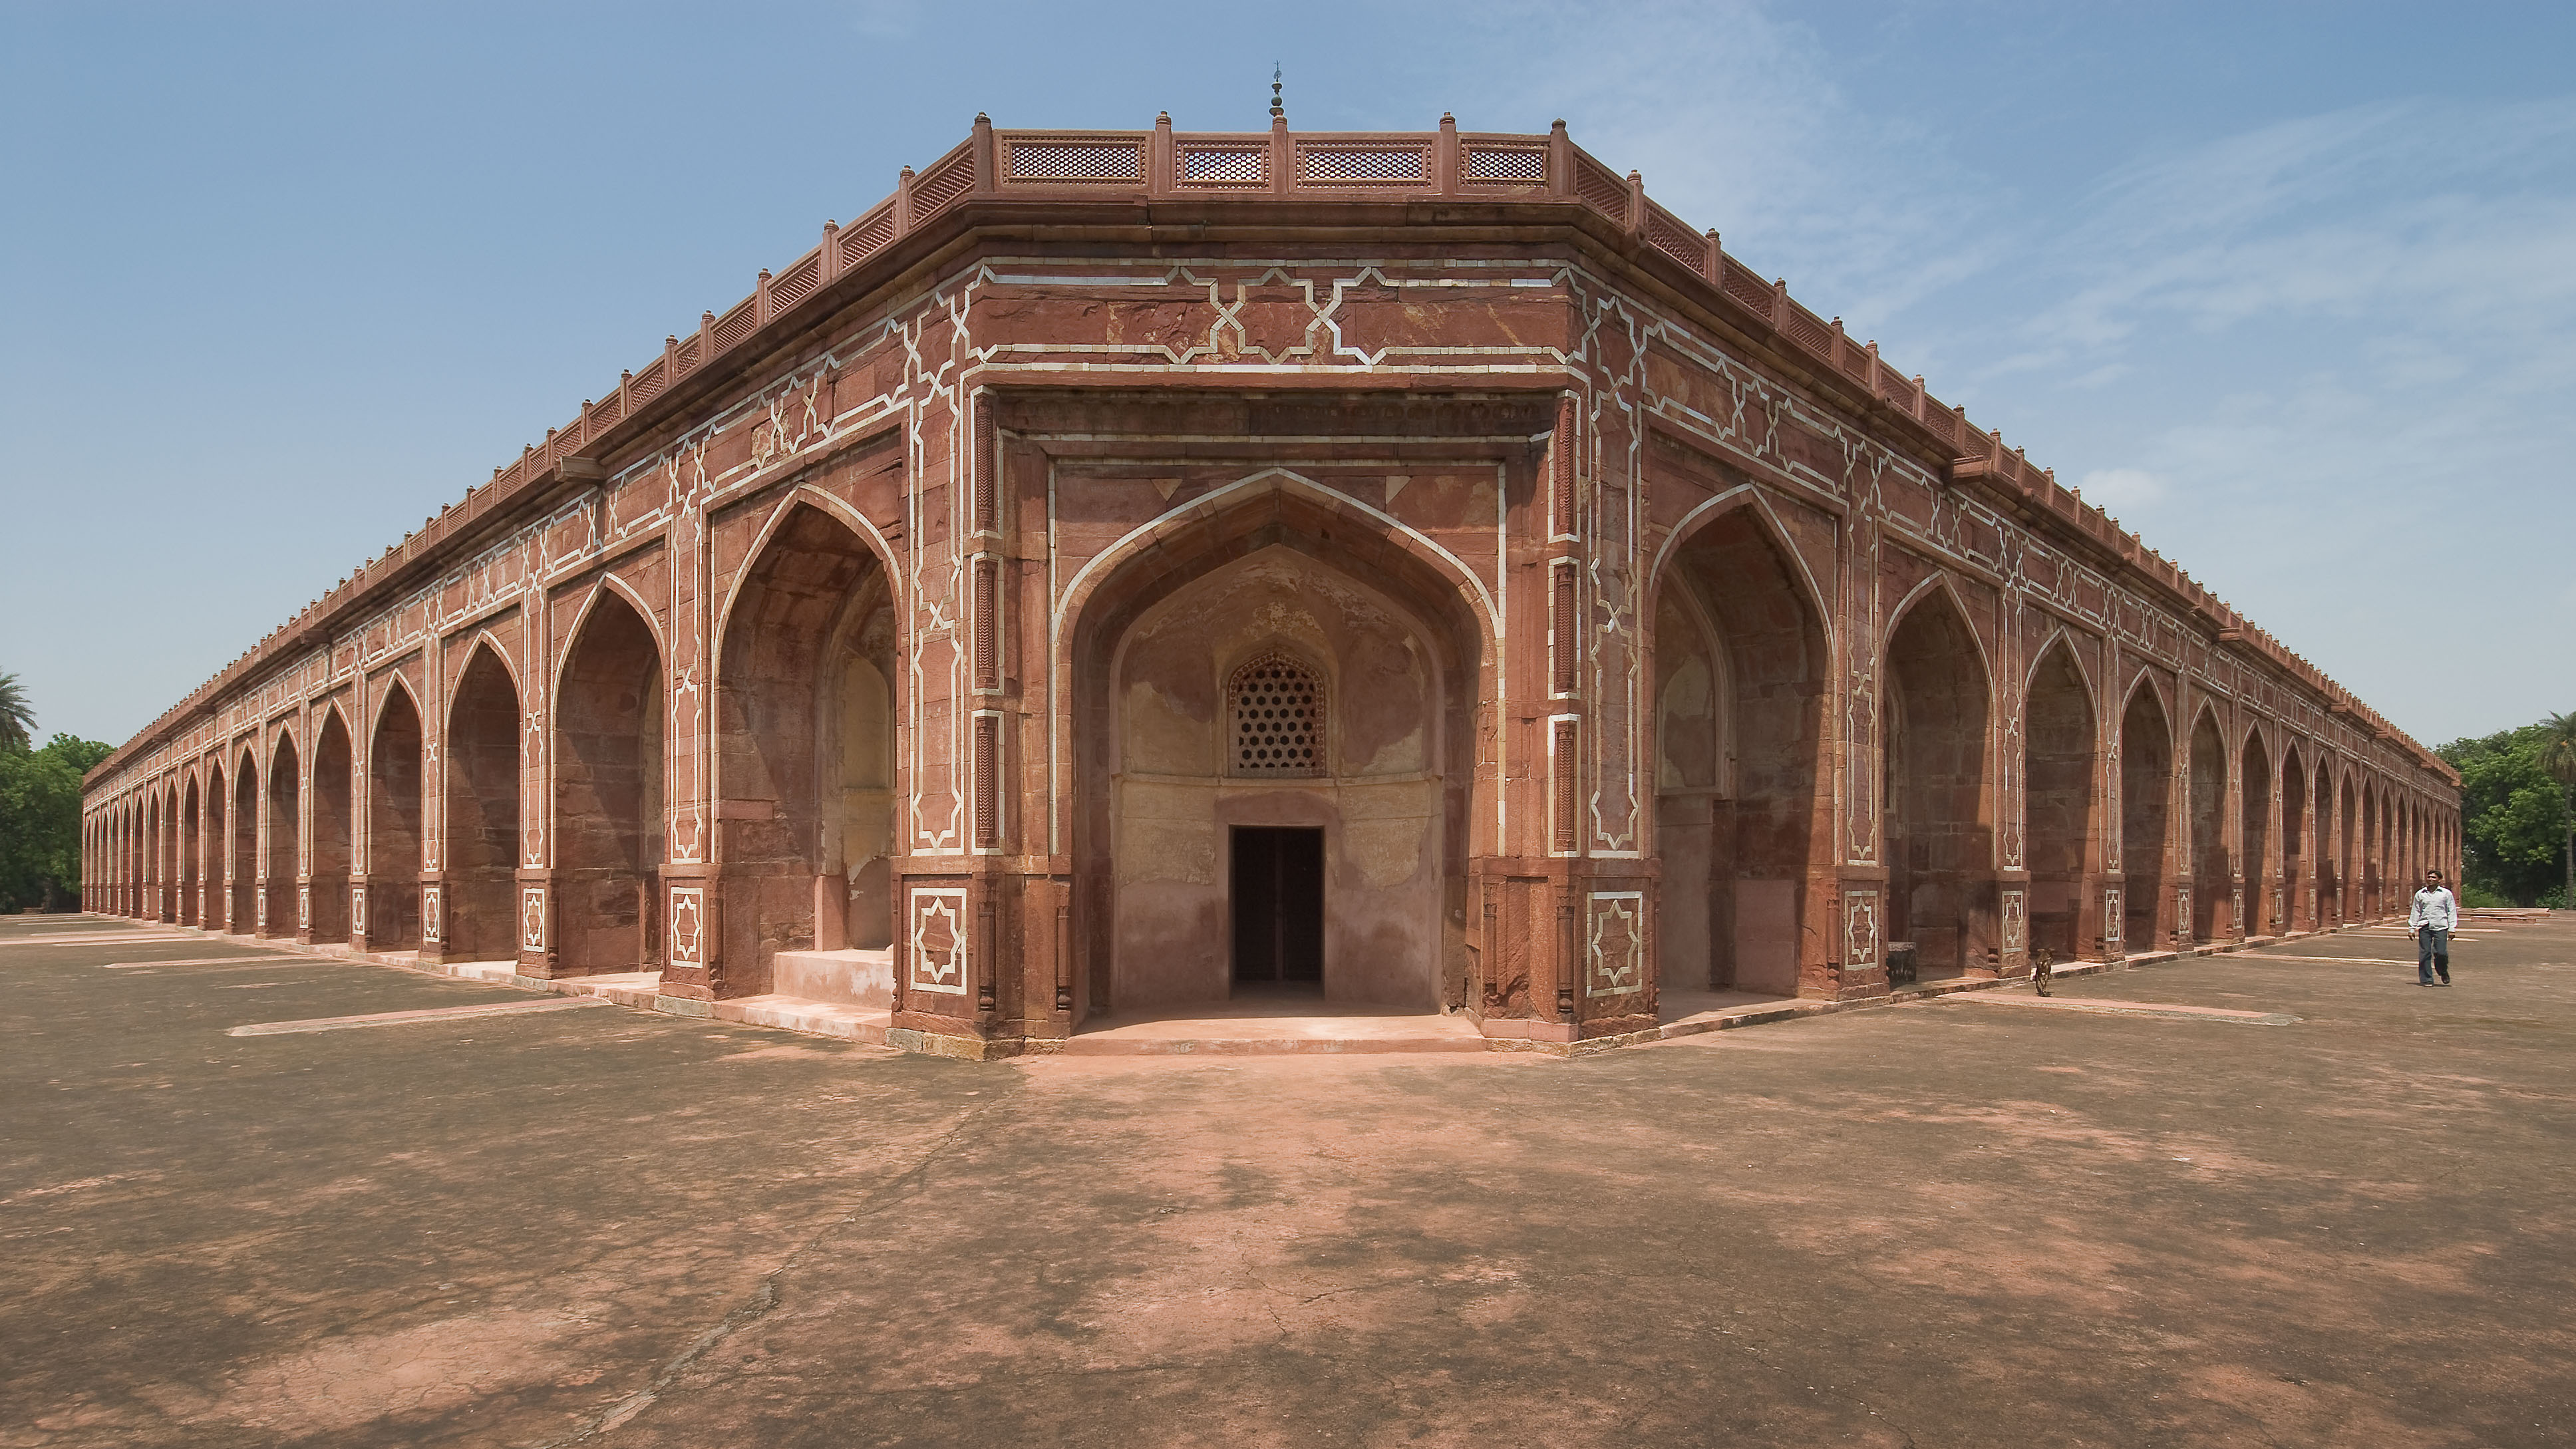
<point x="17" y="714"/>
<point x="40" y="818"/>
<point x="2514" y="816"/>
<point x="2558" y="757"/>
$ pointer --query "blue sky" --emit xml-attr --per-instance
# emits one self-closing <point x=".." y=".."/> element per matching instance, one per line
<point x="2289" y="287"/>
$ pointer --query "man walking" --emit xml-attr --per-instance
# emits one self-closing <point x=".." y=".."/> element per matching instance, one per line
<point x="2434" y="916"/>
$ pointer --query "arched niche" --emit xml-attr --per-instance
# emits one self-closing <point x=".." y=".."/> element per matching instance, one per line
<point x="2211" y="880"/>
<point x="608" y="760"/>
<point x="805" y="758"/>
<point x="394" y="825"/>
<point x="1740" y="675"/>
<point x="2296" y="843"/>
<point x="244" y="872"/>
<point x="1939" y="827"/>
<point x="2255" y="831"/>
<point x="1168" y="815"/>
<point x="2058" y="735"/>
<point x="285" y="827"/>
<point x="479" y="853"/>
<point x="2146" y="818"/>
<point x="334" y="776"/>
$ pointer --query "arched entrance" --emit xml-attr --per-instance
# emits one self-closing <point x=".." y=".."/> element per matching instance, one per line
<point x="1740" y="668"/>
<point x="805" y="765"/>
<point x="2146" y="818"/>
<point x="244" y="918"/>
<point x="334" y="772"/>
<point x="2255" y="806"/>
<point x="1184" y="658"/>
<point x="1940" y="829"/>
<point x="284" y="824"/>
<point x="479" y="852"/>
<point x="2297" y="905"/>
<point x="393" y="826"/>
<point x="2370" y="852"/>
<point x="211" y="846"/>
<point x="2210" y="881"/>
<point x="2058" y="735"/>
<point x="608" y="794"/>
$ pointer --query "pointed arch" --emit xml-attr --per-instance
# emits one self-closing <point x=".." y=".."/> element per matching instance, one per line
<point x="486" y="642"/>
<point x="2257" y="779"/>
<point x="607" y="584"/>
<point x="1741" y="665"/>
<point x="2061" y="637"/>
<point x="2298" y="835"/>
<point x="480" y="787"/>
<point x="1937" y="693"/>
<point x="213" y="905"/>
<point x="2061" y="747"/>
<point x="244" y="871"/>
<point x="1231" y="500"/>
<point x="1381" y="598"/>
<point x="285" y="835"/>
<point x="392" y="919"/>
<point x="1745" y="496"/>
<point x="839" y="511"/>
<point x="323" y="908"/>
<point x="2212" y="875"/>
<point x="389" y="681"/>
<point x="607" y="750"/>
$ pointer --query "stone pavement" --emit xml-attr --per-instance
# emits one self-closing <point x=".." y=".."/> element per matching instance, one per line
<point x="2168" y="1220"/>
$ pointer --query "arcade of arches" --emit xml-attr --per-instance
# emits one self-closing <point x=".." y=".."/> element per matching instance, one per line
<point x="1564" y="684"/>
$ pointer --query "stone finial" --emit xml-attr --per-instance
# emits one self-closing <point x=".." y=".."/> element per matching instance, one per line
<point x="1278" y="108"/>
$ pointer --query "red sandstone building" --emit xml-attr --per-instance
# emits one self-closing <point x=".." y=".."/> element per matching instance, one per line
<point x="1126" y="567"/>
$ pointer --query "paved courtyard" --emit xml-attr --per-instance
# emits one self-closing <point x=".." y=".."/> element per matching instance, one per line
<point x="1966" y="1222"/>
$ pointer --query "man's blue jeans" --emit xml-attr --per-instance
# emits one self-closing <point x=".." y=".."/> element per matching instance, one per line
<point x="2432" y="953"/>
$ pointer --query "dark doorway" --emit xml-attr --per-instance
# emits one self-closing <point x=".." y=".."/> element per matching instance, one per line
<point x="1278" y="894"/>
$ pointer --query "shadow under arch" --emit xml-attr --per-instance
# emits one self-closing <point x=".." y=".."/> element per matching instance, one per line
<point x="479" y="834"/>
<point x="2146" y="816"/>
<point x="244" y="872"/>
<point x="1935" y="713"/>
<point x="608" y="775"/>
<point x="334" y="816"/>
<point x="2254" y="832"/>
<point x="1741" y="662"/>
<point x="392" y="919"/>
<point x="2212" y="878"/>
<point x="2296" y="912"/>
<point x="285" y="832"/>
<point x="807" y="688"/>
<point x="1292" y="526"/>
<point x="2060" y="748"/>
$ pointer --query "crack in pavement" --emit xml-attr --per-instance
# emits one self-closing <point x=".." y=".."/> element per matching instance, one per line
<point x="765" y="1299"/>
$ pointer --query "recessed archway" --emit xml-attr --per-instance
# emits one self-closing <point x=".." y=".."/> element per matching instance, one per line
<point x="479" y="846"/>
<point x="285" y="823"/>
<point x="393" y="826"/>
<point x="2058" y="735"/>
<point x="2146" y="819"/>
<point x="1939" y="831"/>
<point x="1399" y="652"/>
<point x="805" y="759"/>
<point x="2298" y="911"/>
<point x="334" y="775"/>
<point x="1740" y="670"/>
<point x="608" y="793"/>
<point x="244" y="919"/>
<point x="2255" y="833"/>
<point x="212" y="844"/>
<point x="2211" y="881"/>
